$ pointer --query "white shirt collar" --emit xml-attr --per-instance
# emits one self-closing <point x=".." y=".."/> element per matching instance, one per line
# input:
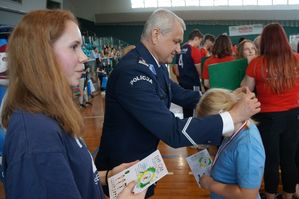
<point x="155" y="59"/>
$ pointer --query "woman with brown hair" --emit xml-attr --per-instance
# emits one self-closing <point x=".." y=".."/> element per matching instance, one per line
<point x="221" y="52"/>
<point x="44" y="154"/>
<point x="275" y="75"/>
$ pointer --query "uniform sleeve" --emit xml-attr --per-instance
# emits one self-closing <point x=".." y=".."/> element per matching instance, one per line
<point x="41" y="176"/>
<point x="195" y="54"/>
<point x="250" y="162"/>
<point x="184" y="97"/>
<point x="136" y="92"/>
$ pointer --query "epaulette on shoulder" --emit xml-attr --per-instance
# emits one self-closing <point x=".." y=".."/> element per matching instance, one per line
<point x="143" y="62"/>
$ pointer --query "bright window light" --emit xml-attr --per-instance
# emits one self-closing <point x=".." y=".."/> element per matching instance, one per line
<point x="234" y="3"/>
<point x="264" y="2"/>
<point x="293" y="2"/>
<point x="178" y="3"/>
<point x="137" y="3"/>
<point x="220" y="3"/>
<point x="250" y="2"/>
<point x="164" y="3"/>
<point x="150" y="3"/>
<point x="280" y="2"/>
<point x="192" y="2"/>
<point x="183" y="3"/>
<point x="205" y="3"/>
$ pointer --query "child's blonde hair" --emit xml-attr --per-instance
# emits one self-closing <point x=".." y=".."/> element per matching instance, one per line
<point x="216" y="100"/>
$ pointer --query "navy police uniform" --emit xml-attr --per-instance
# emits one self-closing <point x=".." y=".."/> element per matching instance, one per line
<point x="189" y="77"/>
<point x="137" y="116"/>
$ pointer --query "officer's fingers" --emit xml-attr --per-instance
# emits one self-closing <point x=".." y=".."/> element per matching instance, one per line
<point x="247" y="92"/>
<point x="239" y="90"/>
<point x="254" y="106"/>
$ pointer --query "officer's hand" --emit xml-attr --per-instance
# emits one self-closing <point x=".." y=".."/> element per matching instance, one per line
<point x="121" y="167"/>
<point x="247" y="106"/>
<point x="128" y="194"/>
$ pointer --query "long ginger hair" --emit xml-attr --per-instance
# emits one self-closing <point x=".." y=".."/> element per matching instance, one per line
<point x="36" y="81"/>
<point x="280" y="67"/>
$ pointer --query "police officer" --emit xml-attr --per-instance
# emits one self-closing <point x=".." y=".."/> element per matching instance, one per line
<point x="138" y="98"/>
<point x="189" y="66"/>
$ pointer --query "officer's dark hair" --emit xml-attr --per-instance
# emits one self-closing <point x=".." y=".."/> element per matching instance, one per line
<point x="222" y="46"/>
<point x="195" y="33"/>
<point x="209" y="37"/>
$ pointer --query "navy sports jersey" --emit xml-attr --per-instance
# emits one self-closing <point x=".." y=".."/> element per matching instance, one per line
<point x="137" y="115"/>
<point x="188" y="74"/>
<point x="41" y="161"/>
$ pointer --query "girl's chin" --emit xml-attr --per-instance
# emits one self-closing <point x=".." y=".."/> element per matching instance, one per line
<point x="74" y="83"/>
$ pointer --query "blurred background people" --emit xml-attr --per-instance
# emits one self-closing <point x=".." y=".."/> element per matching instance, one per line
<point x="222" y="52"/>
<point x="207" y="45"/>
<point x="188" y="63"/>
<point x="246" y="50"/>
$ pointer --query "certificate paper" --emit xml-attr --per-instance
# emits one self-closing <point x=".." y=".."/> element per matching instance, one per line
<point x="200" y="163"/>
<point x="144" y="173"/>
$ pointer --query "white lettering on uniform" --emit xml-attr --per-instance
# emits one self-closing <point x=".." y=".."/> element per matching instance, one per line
<point x="141" y="78"/>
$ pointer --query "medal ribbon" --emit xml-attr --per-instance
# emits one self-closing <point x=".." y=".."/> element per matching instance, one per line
<point x="222" y="147"/>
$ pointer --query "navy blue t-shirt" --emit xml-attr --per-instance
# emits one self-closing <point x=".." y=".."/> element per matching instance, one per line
<point x="188" y="74"/>
<point x="42" y="161"/>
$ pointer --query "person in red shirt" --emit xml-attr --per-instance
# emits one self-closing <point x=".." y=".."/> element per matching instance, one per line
<point x="208" y="43"/>
<point x="221" y="52"/>
<point x="275" y="76"/>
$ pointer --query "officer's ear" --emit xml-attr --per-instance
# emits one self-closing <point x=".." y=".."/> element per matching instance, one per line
<point x="156" y="35"/>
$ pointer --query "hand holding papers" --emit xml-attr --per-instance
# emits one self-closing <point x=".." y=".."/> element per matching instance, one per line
<point x="200" y="164"/>
<point x="145" y="173"/>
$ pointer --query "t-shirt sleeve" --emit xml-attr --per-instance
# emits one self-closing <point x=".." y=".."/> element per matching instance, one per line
<point x="195" y="54"/>
<point x="250" y="71"/>
<point x="250" y="162"/>
<point x="203" y="52"/>
<point x="205" y="72"/>
<point x="41" y="176"/>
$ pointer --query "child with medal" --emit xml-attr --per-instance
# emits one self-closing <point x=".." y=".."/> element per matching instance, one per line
<point x="238" y="166"/>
